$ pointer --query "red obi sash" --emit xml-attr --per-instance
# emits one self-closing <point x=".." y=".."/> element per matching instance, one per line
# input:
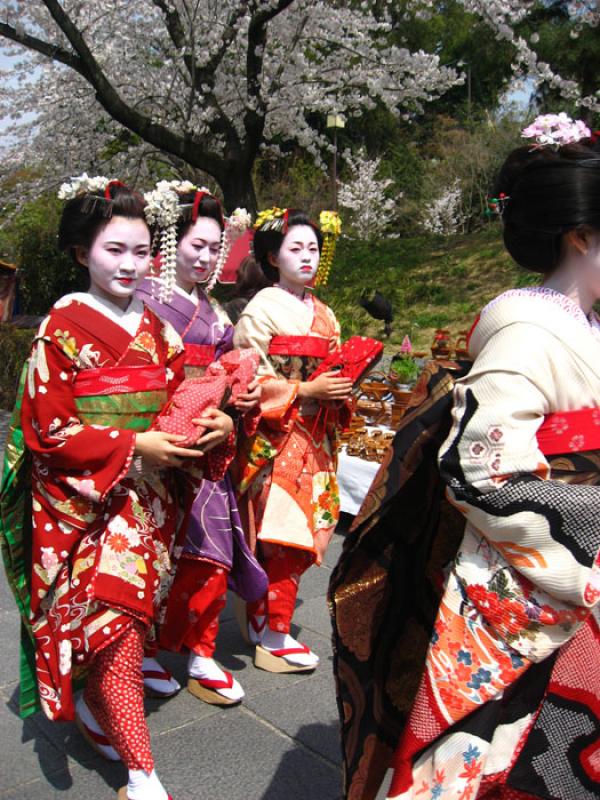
<point x="199" y="355"/>
<point x="119" y="380"/>
<point x="314" y="346"/>
<point x="570" y="432"/>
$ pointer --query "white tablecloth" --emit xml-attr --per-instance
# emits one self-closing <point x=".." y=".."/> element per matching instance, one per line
<point x="354" y="476"/>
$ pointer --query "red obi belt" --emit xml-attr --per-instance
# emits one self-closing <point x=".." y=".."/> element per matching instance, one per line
<point x="199" y="355"/>
<point x="119" y="380"/>
<point x="570" y="432"/>
<point x="313" y="346"/>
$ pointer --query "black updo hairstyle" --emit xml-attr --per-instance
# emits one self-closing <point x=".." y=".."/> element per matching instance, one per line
<point x="85" y="215"/>
<point x="269" y="241"/>
<point x="550" y="192"/>
<point x="208" y="206"/>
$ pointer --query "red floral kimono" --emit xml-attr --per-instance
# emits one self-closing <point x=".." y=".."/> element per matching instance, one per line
<point x="103" y="522"/>
<point x="288" y="467"/>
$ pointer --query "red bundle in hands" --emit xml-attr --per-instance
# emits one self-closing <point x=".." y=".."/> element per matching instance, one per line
<point x="355" y="357"/>
<point x="240" y="366"/>
<point x="189" y="401"/>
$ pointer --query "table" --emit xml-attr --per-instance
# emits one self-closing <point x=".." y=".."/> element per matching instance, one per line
<point x="354" y="476"/>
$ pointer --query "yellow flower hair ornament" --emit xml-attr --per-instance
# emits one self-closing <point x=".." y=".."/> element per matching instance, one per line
<point x="272" y="219"/>
<point x="331" y="227"/>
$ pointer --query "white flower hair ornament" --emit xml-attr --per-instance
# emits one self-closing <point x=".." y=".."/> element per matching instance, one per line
<point x="235" y="226"/>
<point x="554" y="130"/>
<point x="96" y="191"/>
<point x="164" y="209"/>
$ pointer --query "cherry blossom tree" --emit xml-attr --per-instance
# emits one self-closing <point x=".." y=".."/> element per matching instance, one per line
<point x="370" y="212"/>
<point x="205" y="86"/>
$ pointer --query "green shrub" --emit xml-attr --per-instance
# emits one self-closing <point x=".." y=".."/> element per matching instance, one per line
<point x="15" y="345"/>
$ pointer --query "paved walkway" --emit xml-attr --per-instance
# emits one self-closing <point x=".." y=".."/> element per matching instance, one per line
<point x="281" y="744"/>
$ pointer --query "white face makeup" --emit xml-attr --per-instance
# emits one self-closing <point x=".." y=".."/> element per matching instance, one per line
<point x="118" y="259"/>
<point x="197" y="253"/>
<point x="298" y="258"/>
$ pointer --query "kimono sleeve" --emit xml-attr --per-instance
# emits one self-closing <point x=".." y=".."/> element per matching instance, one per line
<point x="497" y="476"/>
<point x="86" y="459"/>
<point x="278" y="394"/>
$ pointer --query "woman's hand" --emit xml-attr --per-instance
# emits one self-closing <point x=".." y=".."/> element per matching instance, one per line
<point x="219" y="425"/>
<point x="161" y="450"/>
<point x="328" y="386"/>
<point x="249" y="400"/>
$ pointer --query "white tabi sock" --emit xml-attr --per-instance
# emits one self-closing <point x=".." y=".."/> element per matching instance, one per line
<point x="145" y="786"/>
<point x="166" y="685"/>
<point x="202" y="667"/>
<point x="273" y="640"/>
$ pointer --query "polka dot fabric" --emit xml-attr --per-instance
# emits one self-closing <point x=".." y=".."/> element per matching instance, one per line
<point x="191" y="398"/>
<point x="115" y="696"/>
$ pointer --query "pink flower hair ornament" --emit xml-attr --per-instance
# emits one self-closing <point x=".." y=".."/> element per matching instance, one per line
<point x="555" y="130"/>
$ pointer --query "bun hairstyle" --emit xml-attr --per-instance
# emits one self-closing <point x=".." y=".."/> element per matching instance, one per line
<point x="549" y="191"/>
<point x="87" y="213"/>
<point x="268" y="239"/>
<point x="196" y="204"/>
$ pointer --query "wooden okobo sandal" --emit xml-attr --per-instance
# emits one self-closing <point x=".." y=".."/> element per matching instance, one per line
<point x="275" y="661"/>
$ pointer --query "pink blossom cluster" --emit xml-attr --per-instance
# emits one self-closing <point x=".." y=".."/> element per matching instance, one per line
<point x="556" y="130"/>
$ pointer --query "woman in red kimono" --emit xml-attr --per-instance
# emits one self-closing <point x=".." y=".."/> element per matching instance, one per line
<point x="103" y="501"/>
<point x="287" y="469"/>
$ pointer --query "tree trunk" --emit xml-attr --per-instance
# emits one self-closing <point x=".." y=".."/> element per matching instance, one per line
<point x="238" y="188"/>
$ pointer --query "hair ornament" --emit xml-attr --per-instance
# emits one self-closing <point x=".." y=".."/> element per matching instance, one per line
<point x="164" y="210"/>
<point x="83" y="184"/>
<point x="555" y="130"/>
<point x="234" y="227"/>
<point x="95" y="191"/>
<point x="272" y="219"/>
<point x="331" y="227"/>
<point x="497" y="205"/>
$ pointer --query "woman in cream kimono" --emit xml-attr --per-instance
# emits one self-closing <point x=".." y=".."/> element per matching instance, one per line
<point x="287" y="469"/>
<point x="509" y="701"/>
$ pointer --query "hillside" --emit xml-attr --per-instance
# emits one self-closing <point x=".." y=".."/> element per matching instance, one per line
<point x="432" y="283"/>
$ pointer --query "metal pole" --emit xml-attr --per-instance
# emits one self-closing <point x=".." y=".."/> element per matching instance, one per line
<point x="334" y="186"/>
<point x="469" y="91"/>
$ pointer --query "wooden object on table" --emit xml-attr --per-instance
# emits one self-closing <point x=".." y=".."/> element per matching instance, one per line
<point x="440" y="347"/>
<point x="461" y="348"/>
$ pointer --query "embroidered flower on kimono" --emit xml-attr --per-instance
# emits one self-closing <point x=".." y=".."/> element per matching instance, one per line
<point x="471" y="753"/>
<point x="577" y="442"/>
<point x="495" y="434"/>
<point x="67" y="342"/>
<point x="172" y="338"/>
<point x="478" y="450"/>
<point x="118" y="524"/>
<point x="158" y="512"/>
<point x="472" y="770"/>
<point x="65" y="651"/>
<point x="481" y="676"/>
<point x="85" y="487"/>
<point x="145" y="341"/>
<point x="559" y="425"/>
<point x="118" y="542"/>
<point x="48" y="558"/>
<point x="462" y="672"/>
<point x="464" y="656"/>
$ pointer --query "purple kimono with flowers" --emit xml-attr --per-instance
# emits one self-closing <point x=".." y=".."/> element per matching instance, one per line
<point x="214" y="530"/>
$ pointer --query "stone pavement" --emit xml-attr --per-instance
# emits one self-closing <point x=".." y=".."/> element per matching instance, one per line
<point x="280" y="744"/>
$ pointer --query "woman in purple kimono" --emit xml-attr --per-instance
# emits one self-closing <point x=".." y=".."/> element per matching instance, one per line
<point x="194" y="245"/>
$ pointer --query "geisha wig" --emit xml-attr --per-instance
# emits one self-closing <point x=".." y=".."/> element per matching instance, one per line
<point x="86" y="213"/>
<point x="550" y="190"/>
<point x="171" y="208"/>
<point x="198" y="204"/>
<point x="270" y="233"/>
